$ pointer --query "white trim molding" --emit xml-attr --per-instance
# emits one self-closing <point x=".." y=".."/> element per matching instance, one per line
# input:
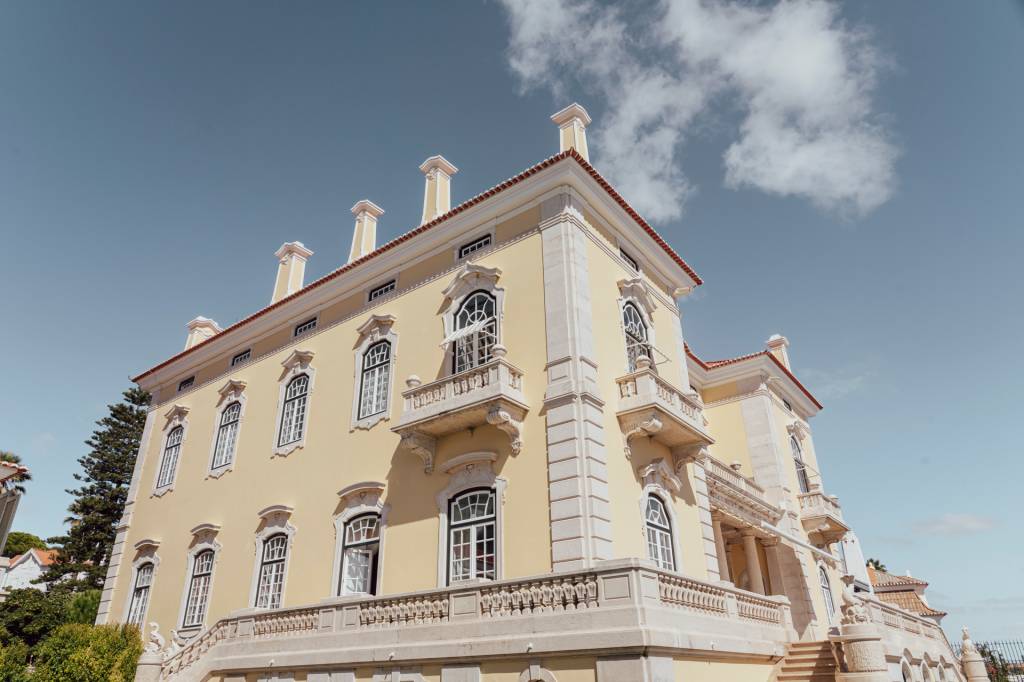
<point x="298" y="362"/>
<point x="537" y="673"/>
<point x="469" y="279"/>
<point x="366" y="497"/>
<point x="233" y="391"/>
<point x="376" y="328"/>
<point x="204" y="537"/>
<point x="145" y="553"/>
<point x="274" y="520"/>
<point x="468" y="471"/>
<point x="175" y="417"/>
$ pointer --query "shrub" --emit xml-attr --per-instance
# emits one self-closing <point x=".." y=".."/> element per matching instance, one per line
<point x="86" y="653"/>
<point x="13" y="659"/>
<point x="29" y="615"/>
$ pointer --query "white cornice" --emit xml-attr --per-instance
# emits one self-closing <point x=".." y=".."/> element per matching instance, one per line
<point x="361" y="488"/>
<point x="297" y="248"/>
<point x="757" y="367"/>
<point x="368" y="207"/>
<point x="566" y="175"/>
<point x="440" y="163"/>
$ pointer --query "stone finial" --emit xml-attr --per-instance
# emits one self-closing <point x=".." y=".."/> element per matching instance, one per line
<point x="200" y="329"/>
<point x="437" y="190"/>
<point x="572" y="125"/>
<point x="364" y="236"/>
<point x="291" y="269"/>
<point x="777" y="345"/>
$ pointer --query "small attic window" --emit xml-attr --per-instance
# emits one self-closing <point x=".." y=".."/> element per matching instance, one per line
<point x="786" y="403"/>
<point x="244" y="356"/>
<point x="185" y="384"/>
<point x="304" y="327"/>
<point x="383" y="289"/>
<point x="475" y="245"/>
<point x="629" y="260"/>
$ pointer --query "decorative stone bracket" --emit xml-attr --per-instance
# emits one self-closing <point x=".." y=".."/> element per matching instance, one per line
<point x="646" y="425"/>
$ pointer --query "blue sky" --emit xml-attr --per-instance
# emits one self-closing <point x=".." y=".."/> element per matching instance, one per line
<point x="847" y="175"/>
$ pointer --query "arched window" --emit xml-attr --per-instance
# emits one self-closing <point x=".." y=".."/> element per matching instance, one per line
<point x="271" y="580"/>
<point x="908" y="676"/>
<point x="636" y="336"/>
<point x="801" y="468"/>
<point x="659" y="534"/>
<point x="376" y="378"/>
<point x="169" y="462"/>
<point x="826" y="593"/>
<point x="199" y="589"/>
<point x="472" y="536"/>
<point x="359" y="555"/>
<point x="227" y="436"/>
<point x="140" y="594"/>
<point x="478" y="322"/>
<point x="293" y="416"/>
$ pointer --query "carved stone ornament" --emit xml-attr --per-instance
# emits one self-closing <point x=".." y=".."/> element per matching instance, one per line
<point x="299" y="359"/>
<point x="231" y="391"/>
<point x="421" y="445"/>
<point x="798" y="429"/>
<point x="504" y="421"/>
<point x="852" y="608"/>
<point x="375" y="328"/>
<point x="641" y="427"/>
<point x="660" y="474"/>
<point x="636" y="288"/>
<point x="469" y="278"/>
<point x="176" y="415"/>
<point x="967" y="646"/>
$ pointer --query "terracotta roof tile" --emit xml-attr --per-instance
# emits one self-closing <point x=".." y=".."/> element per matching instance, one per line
<point x="714" y="364"/>
<point x="884" y="579"/>
<point x="570" y="154"/>
<point x="910" y="601"/>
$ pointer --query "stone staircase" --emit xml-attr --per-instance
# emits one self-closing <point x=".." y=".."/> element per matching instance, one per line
<point x="809" y="662"/>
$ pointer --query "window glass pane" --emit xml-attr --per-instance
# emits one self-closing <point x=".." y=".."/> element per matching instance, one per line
<point x="382" y="290"/>
<point x="199" y="589"/>
<point x="475" y="245"/>
<point x="241" y="357"/>
<point x="376" y="379"/>
<point x="271" y="579"/>
<point x="169" y="461"/>
<point x="305" y="326"/>
<point x="358" y="569"/>
<point x="659" y="534"/>
<point x="636" y="336"/>
<point x="474" y="349"/>
<point x="140" y="595"/>
<point x="473" y="537"/>
<point x="293" y="416"/>
<point x="227" y="435"/>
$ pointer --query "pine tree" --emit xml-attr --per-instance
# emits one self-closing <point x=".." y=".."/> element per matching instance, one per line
<point x="99" y="502"/>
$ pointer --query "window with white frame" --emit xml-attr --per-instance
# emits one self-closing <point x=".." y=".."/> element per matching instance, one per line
<point x="478" y="322"/>
<point x="271" y="576"/>
<point x="169" y="461"/>
<point x="826" y="593"/>
<point x="360" y="551"/>
<point x="185" y="384"/>
<point x="227" y="436"/>
<point x="629" y="260"/>
<point x="475" y="245"/>
<point x="140" y="594"/>
<point x="659" y="534"/>
<point x="472" y="536"/>
<point x="376" y="379"/>
<point x="239" y="358"/>
<point x="801" y="468"/>
<point x="383" y="289"/>
<point x="304" y="327"/>
<point x="637" y="345"/>
<point x="199" y="589"/>
<point x="293" y="413"/>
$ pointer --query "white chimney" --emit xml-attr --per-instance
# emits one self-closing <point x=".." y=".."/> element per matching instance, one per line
<point x="201" y="329"/>
<point x="437" y="193"/>
<point x="291" y="269"/>
<point x="572" y="125"/>
<point x="777" y="344"/>
<point x="364" y="238"/>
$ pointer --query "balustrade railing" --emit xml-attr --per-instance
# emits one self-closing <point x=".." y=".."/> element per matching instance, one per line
<point x="735" y="478"/>
<point x="496" y="374"/>
<point x="695" y="595"/>
<point x="817" y="503"/>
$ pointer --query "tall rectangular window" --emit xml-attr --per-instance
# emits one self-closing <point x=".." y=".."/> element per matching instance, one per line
<point x="359" y="555"/>
<point x="293" y="413"/>
<point x="244" y="356"/>
<point x="376" y="377"/>
<point x="199" y="589"/>
<point x="383" y="289"/>
<point x="271" y="578"/>
<point x="472" y="536"/>
<point x="475" y="245"/>
<point x="227" y="436"/>
<point x="304" y="327"/>
<point x="140" y="595"/>
<point x="169" y="461"/>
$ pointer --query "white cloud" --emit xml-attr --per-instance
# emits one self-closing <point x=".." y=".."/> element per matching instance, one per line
<point x="955" y="524"/>
<point x="801" y="77"/>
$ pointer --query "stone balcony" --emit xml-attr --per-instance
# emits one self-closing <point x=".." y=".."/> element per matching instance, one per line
<point x="742" y="501"/>
<point x="616" y="607"/>
<point x="822" y="516"/>
<point x="489" y="394"/>
<point x="651" y="406"/>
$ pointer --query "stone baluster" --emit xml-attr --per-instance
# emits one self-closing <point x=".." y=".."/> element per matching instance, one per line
<point x="973" y="664"/>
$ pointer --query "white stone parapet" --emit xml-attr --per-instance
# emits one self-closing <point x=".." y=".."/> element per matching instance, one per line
<point x="641" y="605"/>
<point x="650" y="406"/>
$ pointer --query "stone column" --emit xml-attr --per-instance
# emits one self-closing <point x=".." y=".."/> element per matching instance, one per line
<point x="973" y="664"/>
<point x="753" y="561"/>
<point x="720" y="549"/>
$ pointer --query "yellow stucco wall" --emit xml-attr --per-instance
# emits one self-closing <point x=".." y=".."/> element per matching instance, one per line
<point x="709" y="670"/>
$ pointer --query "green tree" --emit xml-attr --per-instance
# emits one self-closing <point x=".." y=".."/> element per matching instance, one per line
<point x="83" y="606"/>
<point x="30" y="615"/>
<point x="84" y="653"/>
<point x="996" y="664"/>
<point x="877" y="565"/>
<point x="98" y="504"/>
<point x="19" y="543"/>
<point x="15" y="481"/>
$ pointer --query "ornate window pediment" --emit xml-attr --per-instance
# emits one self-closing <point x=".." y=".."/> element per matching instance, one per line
<point x="636" y="288"/>
<point x="176" y="416"/>
<point x="660" y="474"/>
<point x="469" y="278"/>
<point x="231" y="391"/>
<point x="298" y="360"/>
<point x="799" y="429"/>
<point x="374" y="329"/>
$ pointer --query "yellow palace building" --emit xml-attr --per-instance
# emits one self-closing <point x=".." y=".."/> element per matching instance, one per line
<point x="483" y="452"/>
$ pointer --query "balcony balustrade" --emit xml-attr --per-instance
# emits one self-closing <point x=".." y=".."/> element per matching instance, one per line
<point x="822" y="516"/>
<point x="489" y="394"/>
<point x="739" y="498"/>
<point x="634" y="602"/>
<point x="651" y="406"/>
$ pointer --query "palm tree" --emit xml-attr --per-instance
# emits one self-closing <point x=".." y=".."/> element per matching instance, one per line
<point x="877" y="565"/>
<point x="15" y="481"/>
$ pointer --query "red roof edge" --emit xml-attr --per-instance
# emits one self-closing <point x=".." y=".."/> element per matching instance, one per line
<point x="714" y="364"/>
<point x="469" y="203"/>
